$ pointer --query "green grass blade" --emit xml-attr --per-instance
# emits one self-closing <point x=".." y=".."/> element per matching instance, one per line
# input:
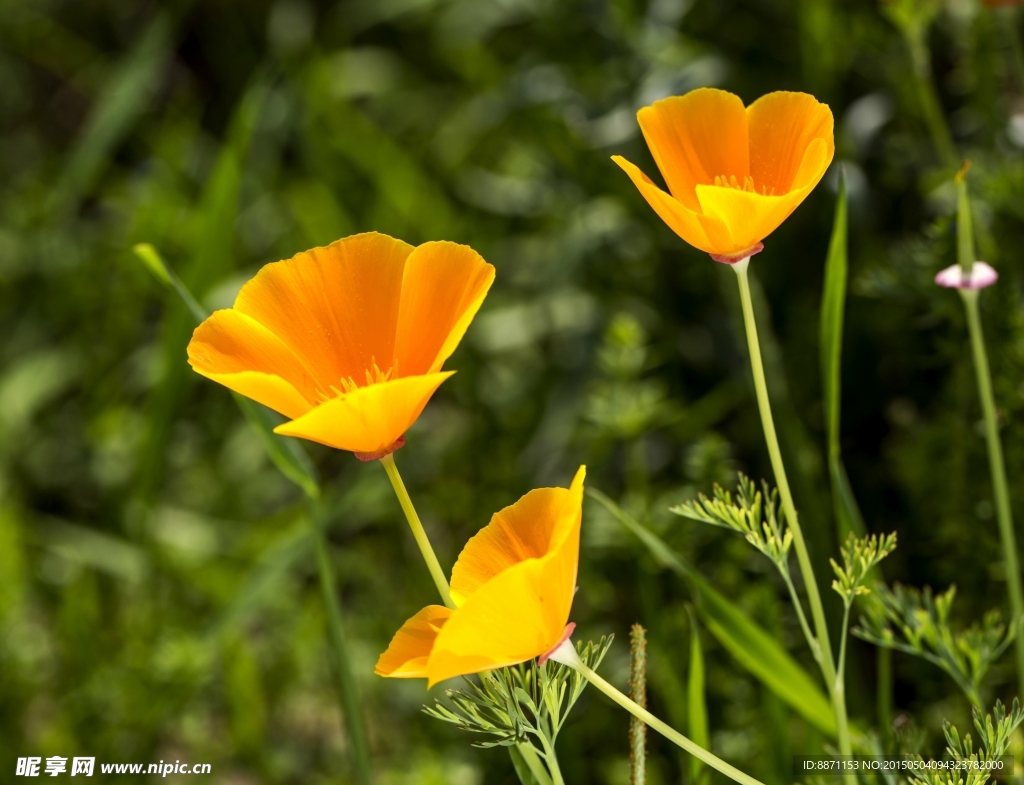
<point x="529" y="772"/>
<point x="123" y="100"/>
<point x="833" y="303"/>
<point x="211" y="258"/>
<point x="757" y="651"/>
<point x="288" y="456"/>
<point x="697" y="709"/>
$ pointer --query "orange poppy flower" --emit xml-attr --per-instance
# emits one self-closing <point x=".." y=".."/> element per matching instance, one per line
<point x="512" y="585"/>
<point x="734" y="174"/>
<point x="346" y="341"/>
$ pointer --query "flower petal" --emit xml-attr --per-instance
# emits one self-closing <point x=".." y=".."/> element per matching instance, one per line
<point x="442" y="289"/>
<point x="782" y="127"/>
<point x="518" y="614"/>
<point x="695" y="137"/>
<point x="750" y="217"/>
<point x="406" y="657"/>
<point x="336" y="307"/>
<point x="705" y="233"/>
<point x="237" y="351"/>
<point x="368" y="419"/>
<point x="529" y="529"/>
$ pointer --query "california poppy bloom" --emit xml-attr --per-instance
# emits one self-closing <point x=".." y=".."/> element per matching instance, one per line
<point x="512" y="585"/>
<point x="734" y="174"/>
<point x="347" y="341"/>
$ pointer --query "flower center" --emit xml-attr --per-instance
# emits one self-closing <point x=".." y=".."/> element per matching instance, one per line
<point x="373" y="374"/>
<point x="730" y="181"/>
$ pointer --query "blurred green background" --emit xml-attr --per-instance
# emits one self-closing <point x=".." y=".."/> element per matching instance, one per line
<point x="158" y="595"/>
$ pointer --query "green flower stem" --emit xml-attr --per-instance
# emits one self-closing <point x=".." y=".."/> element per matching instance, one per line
<point x="344" y="683"/>
<point x="552" y="761"/>
<point x="566" y="654"/>
<point x="835" y="685"/>
<point x="418" y="532"/>
<point x="997" y="467"/>
<point x="914" y="35"/>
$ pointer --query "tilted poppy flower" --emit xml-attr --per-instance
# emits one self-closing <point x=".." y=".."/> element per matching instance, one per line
<point x="734" y="173"/>
<point x="512" y="585"/>
<point x="347" y="341"/>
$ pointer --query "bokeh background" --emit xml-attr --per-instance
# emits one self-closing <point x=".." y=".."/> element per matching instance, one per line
<point x="158" y="595"/>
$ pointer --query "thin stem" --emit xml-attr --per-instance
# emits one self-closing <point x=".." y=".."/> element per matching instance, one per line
<point x="928" y="95"/>
<point x="812" y="642"/>
<point x="566" y="654"/>
<point x="997" y="467"/>
<point x="418" y="532"/>
<point x="344" y="683"/>
<point x="826" y="662"/>
<point x="844" y="632"/>
<point x="551" y="759"/>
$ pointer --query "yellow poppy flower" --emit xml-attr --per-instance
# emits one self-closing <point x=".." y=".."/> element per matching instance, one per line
<point x="512" y="585"/>
<point x="734" y="174"/>
<point x="347" y="341"/>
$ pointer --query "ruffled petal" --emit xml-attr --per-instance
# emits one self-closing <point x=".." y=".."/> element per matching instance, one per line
<point x="368" y="419"/>
<point x="407" y="656"/>
<point x="237" y="351"/>
<point x="336" y="307"/>
<point x="782" y="128"/>
<point x="704" y="233"/>
<point x="529" y="529"/>
<point x="696" y="137"/>
<point x="443" y="287"/>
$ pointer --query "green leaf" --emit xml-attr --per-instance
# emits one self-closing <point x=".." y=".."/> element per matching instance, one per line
<point x="757" y="651"/>
<point x="697" y="716"/>
<point x="833" y="302"/>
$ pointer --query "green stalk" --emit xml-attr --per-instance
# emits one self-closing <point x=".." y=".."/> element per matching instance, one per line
<point x="836" y="687"/>
<point x="344" y="683"/>
<point x="418" y="532"/>
<point x="914" y="35"/>
<point x="997" y="466"/>
<point x="566" y="654"/>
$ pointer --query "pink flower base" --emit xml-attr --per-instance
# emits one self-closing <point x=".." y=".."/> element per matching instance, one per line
<point x="981" y="275"/>
<point x="366" y="457"/>
<point x="732" y="258"/>
<point x="566" y="634"/>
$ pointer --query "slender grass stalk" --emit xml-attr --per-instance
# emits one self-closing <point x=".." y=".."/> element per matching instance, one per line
<point x="551" y="759"/>
<point x="566" y="654"/>
<point x="924" y="82"/>
<point x="638" y="694"/>
<point x="529" y="756"/>
<point x="344" y="683"/>
<point x="997" y="467"/>
<point x="294" y="464"/>
<point x="835" y="685"/>
<point x="418" y="532"/>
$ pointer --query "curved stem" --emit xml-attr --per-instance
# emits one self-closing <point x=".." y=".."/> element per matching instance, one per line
<point x="826" y="662"/>
<point x="418" y="532"/>
<point x="344" y="683"/>
<point x="532" y="760"/>
<point x="997" y="467"/>
<point x="551" y="759"/>
<point x="566" y="654"/>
